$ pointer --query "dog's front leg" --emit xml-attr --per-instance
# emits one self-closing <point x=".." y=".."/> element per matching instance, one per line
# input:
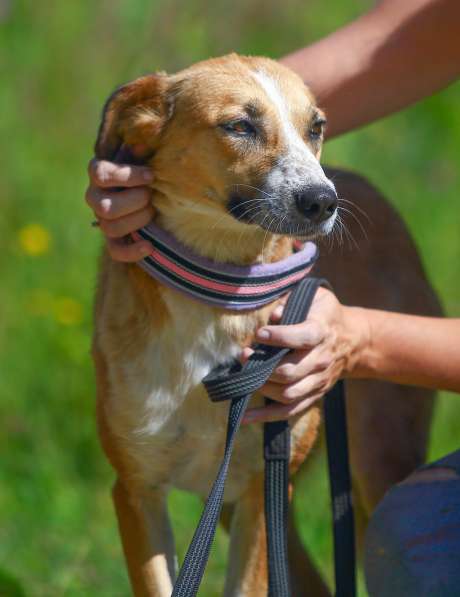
<point x="147" y="539"/>
<point x="247" y="574"/>
<point x="247" y="570"/>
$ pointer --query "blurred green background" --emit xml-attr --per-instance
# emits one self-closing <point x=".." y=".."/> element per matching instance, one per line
<point x="58" y="62"/>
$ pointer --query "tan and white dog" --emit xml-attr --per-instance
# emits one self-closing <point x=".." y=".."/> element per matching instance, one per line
<point x="234" y="143"/>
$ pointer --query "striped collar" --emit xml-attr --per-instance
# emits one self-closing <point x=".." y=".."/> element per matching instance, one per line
<point x="221" y="284"/>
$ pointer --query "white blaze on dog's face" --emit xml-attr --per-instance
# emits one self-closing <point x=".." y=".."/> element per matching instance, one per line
<point x="297" y="179"/>
<point x="236" y="140"/>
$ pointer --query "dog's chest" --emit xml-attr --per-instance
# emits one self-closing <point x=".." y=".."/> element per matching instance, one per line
<point x="172" y="430"/>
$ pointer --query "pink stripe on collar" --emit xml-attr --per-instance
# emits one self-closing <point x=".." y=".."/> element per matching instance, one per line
<point x="223" y="285"/>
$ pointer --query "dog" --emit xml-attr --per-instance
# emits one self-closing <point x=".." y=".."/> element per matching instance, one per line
<point x="235" y="144"/>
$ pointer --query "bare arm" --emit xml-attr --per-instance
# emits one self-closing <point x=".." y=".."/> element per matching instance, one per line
<point x="338" y="341"/>
<point x="407" y="349"/>
<point x="396" y="54"/>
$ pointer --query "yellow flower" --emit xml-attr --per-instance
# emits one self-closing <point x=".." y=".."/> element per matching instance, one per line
<point x="34" y="239"/>
<point x="68" y="311"/>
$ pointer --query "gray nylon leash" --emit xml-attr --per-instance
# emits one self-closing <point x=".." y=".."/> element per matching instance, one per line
<point x="237" y="383"/>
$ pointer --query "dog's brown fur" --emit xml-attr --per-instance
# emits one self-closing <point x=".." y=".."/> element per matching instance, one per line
<point x="151" y="345"/>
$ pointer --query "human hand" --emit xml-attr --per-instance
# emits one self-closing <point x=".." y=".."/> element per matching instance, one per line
<point x="120" y="211"/>
<point x="324" y="348"/>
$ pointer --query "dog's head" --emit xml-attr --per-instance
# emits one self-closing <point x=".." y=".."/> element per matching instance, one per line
<point x="235" y="140"/>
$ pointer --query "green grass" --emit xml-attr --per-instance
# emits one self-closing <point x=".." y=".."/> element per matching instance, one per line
<point x="57" y="529"/>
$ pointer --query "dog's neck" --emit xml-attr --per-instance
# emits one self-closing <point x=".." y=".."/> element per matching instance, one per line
<point x="204" y="257"/>
<point x="218" y="236"/>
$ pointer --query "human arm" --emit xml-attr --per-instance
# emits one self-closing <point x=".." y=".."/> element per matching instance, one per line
<point x="394" y="55"/>
<point x="340" y="341"/>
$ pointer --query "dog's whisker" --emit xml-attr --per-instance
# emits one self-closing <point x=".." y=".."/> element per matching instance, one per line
<point x="339" y="230"/>
<point x="330" y="240"/>
<point x="266" y="228"/>
<point x="247" y="228"/>
<point x="357" y="207"/>
<point x="248" y="186"/>
<point x="351" y="239"/>
<point x="335" y="234"/>
<point x="357" y="220"/>
<point x="346" y="234"/>
<point x="227" y="231"/>
<point x="297" y="230"/>
<point x="244" y="203"/>
<point x="223" y="216"/>
<point x="281" y="222"/>
<point x="264" y="239"/>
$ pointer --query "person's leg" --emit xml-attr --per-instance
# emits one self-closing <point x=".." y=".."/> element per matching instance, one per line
<point x="412" y="544"/>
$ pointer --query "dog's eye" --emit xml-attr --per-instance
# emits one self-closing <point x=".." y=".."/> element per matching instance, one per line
<point x="239" y="127"/>
<point x="316" y="128"/>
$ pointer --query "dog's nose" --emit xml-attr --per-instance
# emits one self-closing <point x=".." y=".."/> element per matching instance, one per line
<point x="316" y="203"/>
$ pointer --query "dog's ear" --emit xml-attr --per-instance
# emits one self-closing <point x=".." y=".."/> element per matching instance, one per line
<point x="133" y="118"/>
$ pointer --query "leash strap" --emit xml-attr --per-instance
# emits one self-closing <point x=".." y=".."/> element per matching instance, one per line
<point x="196" y="558"/>
<point x="277" y="450"/>
<point x="237" y="383"/>
<point x="340" y="489"/>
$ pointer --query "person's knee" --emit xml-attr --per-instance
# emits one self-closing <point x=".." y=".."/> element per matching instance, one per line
<point x="428" y="475"/>
<point x="412" y="544"/>
<point x="384" y="544"/>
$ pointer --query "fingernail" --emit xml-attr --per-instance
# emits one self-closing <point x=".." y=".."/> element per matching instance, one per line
<point x="106" y="204"/>
<point x="278" y="311"/>
<point x="148" y="175"/>
<point x="263" y="334"/>
<point x="245" y="353"/>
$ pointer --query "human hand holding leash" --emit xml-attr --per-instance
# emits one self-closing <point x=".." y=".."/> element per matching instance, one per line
<point x="340" y="341"/>
<point x="324" y="348"/>
<point x="119" y="196"/>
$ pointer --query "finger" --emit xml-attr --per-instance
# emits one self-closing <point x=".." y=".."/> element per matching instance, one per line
<point x="107" y="174"/>
<point x="127" y="224"/>
<point x="277" y="313"/>
<point x="315" y="383"/>
<point x="286" y="394"/>
<point x="279" y="412"/>
<point x="245" y="354"/>
<point x="275" y="391"/>
<point x="119" y="250"/>
<point x="298" y="364"/>
<point x="111" y="205"/>
<point x="288" y="369"/>
<point x="301" y="335"/>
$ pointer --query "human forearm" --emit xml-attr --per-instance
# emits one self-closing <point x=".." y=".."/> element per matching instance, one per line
<point x="338" y="341"/>
<point x="406" y="349"/>
<point x="398" y="53"/>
